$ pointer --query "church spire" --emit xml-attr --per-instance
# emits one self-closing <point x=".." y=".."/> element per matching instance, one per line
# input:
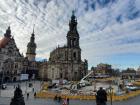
<point x="73" y="22"/>
<point x="73" y="16"/>
<point x="73" y="35"/>
<point x="8" y="32"/>
<point x="33" y="29"/>
<point x="32" y="35"/>
<point x="31" y="48"/>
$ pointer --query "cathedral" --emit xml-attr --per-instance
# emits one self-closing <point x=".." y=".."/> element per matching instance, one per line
<point x="65" y="62"/>
<point x="12" y="62"/>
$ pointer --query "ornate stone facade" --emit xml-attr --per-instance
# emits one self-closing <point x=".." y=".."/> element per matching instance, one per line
<point x="12" y="63"/>
<point x="65" y="62"/>
<point x="10" y="58"/>
<point x="43" y="71"/>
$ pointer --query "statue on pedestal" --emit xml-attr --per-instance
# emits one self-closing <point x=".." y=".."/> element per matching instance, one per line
<point x="18" y="98"/>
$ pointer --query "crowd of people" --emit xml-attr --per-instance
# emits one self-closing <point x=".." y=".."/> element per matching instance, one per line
<point x="101" y="98"/>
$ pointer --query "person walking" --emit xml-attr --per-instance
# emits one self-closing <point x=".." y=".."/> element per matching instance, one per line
<point x="59" y="99"/>
<point x="55" y="98"/>
<point x="27" y="96"/>
<point x="68" y="101"/>
<point x="14" y="86"/>
<point x="101" y="97"/>
<point x="35" y="95"/>
<point x="33" y="89"/>
<point x="65" y="102"/>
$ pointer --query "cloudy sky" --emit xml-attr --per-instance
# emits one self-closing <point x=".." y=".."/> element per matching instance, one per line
<point x="109" y="29"/>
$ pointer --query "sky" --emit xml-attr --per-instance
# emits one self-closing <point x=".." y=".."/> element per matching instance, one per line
<point x="109" y="29"/>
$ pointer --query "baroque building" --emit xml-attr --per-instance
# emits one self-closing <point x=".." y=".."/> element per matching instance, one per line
<point x="12" y="63"/>
<point x="65" y="62"/>
<point x="102" y="70"/>
<point x="129" y="73"/>
<point x="10" y="58"/>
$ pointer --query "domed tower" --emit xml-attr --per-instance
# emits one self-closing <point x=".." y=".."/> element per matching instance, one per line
<point x="31" y="48"/>
<point x="6" y="38"/>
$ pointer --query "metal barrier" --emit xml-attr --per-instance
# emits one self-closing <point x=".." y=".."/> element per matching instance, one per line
<point x="87" y="97"/>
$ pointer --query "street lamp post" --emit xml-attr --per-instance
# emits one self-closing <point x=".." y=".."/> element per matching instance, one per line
<point x="94" y="80"/>
<point x="111" y="93"/>
<point x="42" y="79"/>
<point x="26" y="80"/>
<point x="1" y="81"/>
<point x="26" y="87"/>
<point x="94" y="84"/>
<point x="41" y="83"/>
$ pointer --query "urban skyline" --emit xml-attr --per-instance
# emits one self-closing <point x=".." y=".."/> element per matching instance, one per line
<point x="109" y="31"/>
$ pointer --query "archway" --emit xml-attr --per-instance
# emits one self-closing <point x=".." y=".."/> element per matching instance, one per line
<point x="14" y="79"/>
<point x="6" y="79"/>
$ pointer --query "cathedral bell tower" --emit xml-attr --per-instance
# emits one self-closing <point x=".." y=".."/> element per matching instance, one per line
<point x="73" y="35"/>
<point x="73" y="40"/>
<point x="31" y="48"/>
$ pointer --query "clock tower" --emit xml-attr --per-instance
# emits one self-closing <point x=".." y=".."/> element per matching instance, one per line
<point x="31" y="48"/>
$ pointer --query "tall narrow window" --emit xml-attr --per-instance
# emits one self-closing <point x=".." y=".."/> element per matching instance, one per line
<point x="74" y="42"/>
<point x="74" y="55"/>
<point x="71" y="43"/>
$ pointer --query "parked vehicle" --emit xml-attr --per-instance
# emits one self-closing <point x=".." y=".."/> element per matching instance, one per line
<point x="131" y="87"/>
<point x="4" y="86"/>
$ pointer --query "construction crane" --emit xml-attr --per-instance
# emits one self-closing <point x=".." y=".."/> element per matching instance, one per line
<point x="82" y="82"/>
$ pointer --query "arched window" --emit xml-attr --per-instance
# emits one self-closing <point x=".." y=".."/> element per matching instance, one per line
<point x="74" y="42"/>
<point x="74" y="55"/>
<point x="71" y="43"/>
<point x="52" y="72"/>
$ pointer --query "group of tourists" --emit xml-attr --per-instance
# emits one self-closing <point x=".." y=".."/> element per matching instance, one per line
<point x="64" y="101"/>
<point x="33" y="94"/>
<point x="101" y="98"/>
<point x="57" y="98"/>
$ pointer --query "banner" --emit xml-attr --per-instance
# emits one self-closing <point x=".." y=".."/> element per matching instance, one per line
<point x="24" y="77"/>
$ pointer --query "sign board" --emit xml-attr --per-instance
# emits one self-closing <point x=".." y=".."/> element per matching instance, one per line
<point x="24" y="77"/>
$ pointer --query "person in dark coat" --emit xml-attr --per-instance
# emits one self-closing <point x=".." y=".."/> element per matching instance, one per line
<point x="101" y="97"/>
<point x="68" y="101"/>
<point x="27" y="96"/>
<point x="35" y="95"/>
<point x="55" y="98"/>
<point x="59" y="99"/>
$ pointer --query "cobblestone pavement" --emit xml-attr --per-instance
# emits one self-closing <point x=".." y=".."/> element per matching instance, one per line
<point x="32" y="101"/>
<point x="9" y="92"/>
